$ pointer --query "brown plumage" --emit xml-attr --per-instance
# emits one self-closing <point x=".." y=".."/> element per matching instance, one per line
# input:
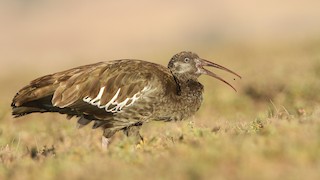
<point x="120" y="95"/>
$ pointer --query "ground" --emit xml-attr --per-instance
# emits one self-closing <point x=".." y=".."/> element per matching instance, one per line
<point x="269" y="129"/>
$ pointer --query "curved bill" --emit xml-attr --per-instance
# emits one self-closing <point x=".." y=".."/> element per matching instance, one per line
<point x="204" y="62"/>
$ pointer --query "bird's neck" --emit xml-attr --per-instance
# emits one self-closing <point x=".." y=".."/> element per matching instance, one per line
<point x="186" y="100"/>
<point x="186" y="86"/>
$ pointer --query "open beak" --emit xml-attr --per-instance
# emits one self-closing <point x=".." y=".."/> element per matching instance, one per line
<point x="203" y="62"/>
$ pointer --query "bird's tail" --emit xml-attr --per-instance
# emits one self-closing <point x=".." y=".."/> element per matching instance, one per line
<point x="38" y="105"/>
<point x="21" y="111"/>
<point x="35" y="97"/>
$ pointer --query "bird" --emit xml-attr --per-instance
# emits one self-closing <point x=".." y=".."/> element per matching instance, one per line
<point x="120" y="95"/>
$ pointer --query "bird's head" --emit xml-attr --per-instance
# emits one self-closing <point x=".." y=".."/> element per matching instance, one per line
<point x="187" y="65"/>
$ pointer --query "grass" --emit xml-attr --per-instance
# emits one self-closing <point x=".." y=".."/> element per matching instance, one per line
<point x="270" y="129"/>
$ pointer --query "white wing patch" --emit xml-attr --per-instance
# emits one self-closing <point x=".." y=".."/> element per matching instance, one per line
<point x="116" y="106"/>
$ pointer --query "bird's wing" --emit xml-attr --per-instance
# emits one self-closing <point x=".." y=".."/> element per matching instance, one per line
<point x="99" y="90"/>
<point x="110" y="87"/>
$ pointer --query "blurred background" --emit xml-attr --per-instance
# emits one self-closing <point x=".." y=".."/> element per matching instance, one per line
<point x="38" y="34"/>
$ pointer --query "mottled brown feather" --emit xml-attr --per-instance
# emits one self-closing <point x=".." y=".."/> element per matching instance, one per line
<point x="69" y="87"/>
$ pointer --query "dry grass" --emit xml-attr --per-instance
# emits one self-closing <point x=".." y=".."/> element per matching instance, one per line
<point x="270" y="129"/>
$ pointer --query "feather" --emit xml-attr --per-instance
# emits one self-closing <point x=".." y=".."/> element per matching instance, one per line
<point x="65" y="91"/>
<point x="82" y="122"/>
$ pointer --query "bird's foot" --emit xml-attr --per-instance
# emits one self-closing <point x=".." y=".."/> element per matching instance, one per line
<point x="140" y="144"/>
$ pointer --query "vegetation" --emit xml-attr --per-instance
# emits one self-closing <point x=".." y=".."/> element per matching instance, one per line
<point x="269" y="129"/>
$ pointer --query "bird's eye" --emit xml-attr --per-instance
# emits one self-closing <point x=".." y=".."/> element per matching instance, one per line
<point x="186" y="60"/>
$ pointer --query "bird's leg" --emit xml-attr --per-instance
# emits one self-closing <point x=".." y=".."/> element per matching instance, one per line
<point x="105" y="142"/>
<point x="106" y="137"/>
<point x="133" y="131"/>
